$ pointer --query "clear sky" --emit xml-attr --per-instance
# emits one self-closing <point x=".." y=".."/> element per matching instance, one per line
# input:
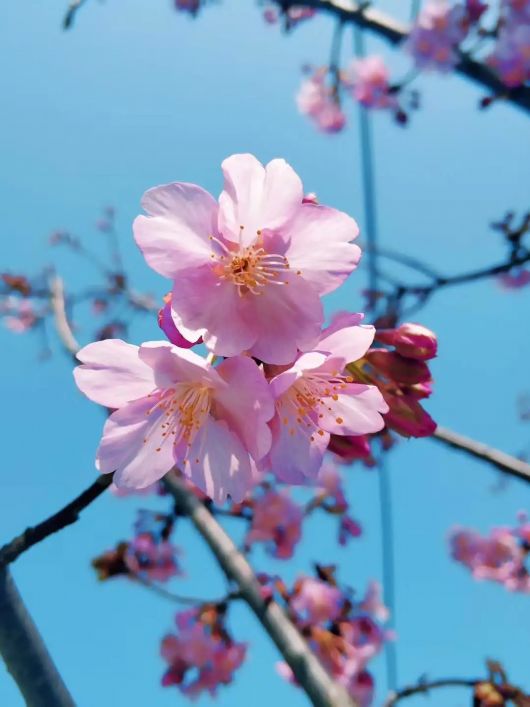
<point x="135" y="96"/>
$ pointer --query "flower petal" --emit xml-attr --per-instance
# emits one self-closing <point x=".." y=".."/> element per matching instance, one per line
<point x="218" y="463"/>
<point x="246" y="402"/>
<point x="294" y="458"/>
<point x="171" y="364"/>
<point x="320" y="246"/>
<point x="287" y="318"/>
<point x="129" y="445"/>
<point x="257" y="197"/>
<point x="356" y="411"/>
<point x="112" y="373"/>
<point x="203" y="305"/>
<point x="350" y="343"/>
<point x="175" y="234"/>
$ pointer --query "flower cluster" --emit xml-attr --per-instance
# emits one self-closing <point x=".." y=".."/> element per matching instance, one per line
<point x="292" y="17"/>
<point x="19" y="314"/>
<point x="346" y="634"/>
<point x="248" y="275"/>
<point x="500" y="557"/>
<point x="510" y="57"/>
<point x="201" y="656"/>
<point x="318" y="98"/>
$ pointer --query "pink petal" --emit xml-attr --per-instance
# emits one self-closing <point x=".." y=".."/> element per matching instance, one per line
<point x="294" y="458"/>
<point x="203" y="305"/>
<point x="247" y="403"/>
<point x="122" y="447"/>
<point x="287" y="318"/>
<point x="320" y="246"/>
<point x="171" y="364"/>
<point x="356" y="412"/>
<point x="218" y="463"/>
<point x="112" y="374"/>
<point x="175" y="234"/>
<point x="257" y="197"/>
<point x="350" y="344"/>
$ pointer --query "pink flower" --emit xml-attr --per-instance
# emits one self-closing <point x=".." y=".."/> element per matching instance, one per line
<point x="511" y="55"/>
<point x="172" y="407"/>
<point x="434" y="38"/>
<point x="314" y="399"/>
<point x="515" y="279"/>
<point x="155" y="560"/>
<point x="516" y="11"/>
<point x="318" y="100"/>
<point x="250" y="270"/>
<point x="277" y="520"/>
<point x="361" y="687"/>
<point x="191" y="6"/>
<point x="373" y="603"/>
<point x="316" y="601"/>
<point x="21" y="315"/>
<point x="368" y="80"/>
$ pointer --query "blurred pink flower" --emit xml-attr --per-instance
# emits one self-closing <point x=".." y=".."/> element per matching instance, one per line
<point x="276" y="520"/>
<point x="368" y="81"/>
<point x="316" y="601"/>
<point x="154" y="560"/>
<point x="319" y="101"/>
<point x="436" y="34"/>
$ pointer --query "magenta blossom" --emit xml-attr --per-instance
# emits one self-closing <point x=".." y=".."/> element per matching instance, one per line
<point x="318" y="100"/>
<point x="249" y="270"/>
<point x="166" y="323"/>
<point x="511" y="55"/>
<point x="433" y="40"/>
<point x="314" y="399"/>
<point x="317" y="601"/>
<point x="368" y="80"/>
<point x="155" y="560"/>
<point x="174" y="408"/>
<point x="277" y="521"/>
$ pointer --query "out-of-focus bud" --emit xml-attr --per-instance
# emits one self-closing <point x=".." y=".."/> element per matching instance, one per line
<point x="410" y="340"/>
<point x="310" y="198"/>
<point x="350" y="448"/>
<point x="166" y="323"/>
<point x="398" y="368"/>
<point x="407" y="417"/>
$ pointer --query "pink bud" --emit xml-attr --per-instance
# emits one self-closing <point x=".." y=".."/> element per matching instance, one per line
<point x="166" y="323"/>
<point x="407" y="417"/>
<point x="410" y="340"/>
<point x="398" y="368"/>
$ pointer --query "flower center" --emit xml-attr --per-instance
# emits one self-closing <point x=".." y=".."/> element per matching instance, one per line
<point x="184" y="409"/>
<point x="303" y="406"/>
<point x="249" y="268"/>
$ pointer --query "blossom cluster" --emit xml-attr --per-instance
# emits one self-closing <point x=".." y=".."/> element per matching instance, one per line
<point x="500" y="557"/>
<point x="201" y="655"/>
<point x="248" y="272"/>
<point x="510" y="57"/>
<point x="345" y="633"/>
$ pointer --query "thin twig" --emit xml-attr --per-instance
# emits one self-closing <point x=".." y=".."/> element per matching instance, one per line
<point x="396" y="32"/>
<point x="425" y="686"/>
<point x="63" y="518"/>
<point x="24" y="652"/>
<point x="504" y="462"/>
<point x="309" y="673"/>
<point x="180" y="598"/>
<point x="62" y="326"/>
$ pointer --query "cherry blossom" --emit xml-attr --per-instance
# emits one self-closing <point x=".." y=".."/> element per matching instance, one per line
<point x="315" y="398"/>
<point x="319" y="101"/>
<point x="145" y="557"/>
<point x="260" y="255"/>
<point x="172" y="407"/>
<point x="277" y="521"/>
<point x="436" y="34"/>
<point x="368" y="81"/>
<point x="511" y="55"/>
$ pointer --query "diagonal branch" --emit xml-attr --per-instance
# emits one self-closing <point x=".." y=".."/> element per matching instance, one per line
<point x="63" y="518"/>
<point x="395" y="32"/>
<point x="24" y="652"/>
<point x="309" y="673"/>
<point x="504" y="462"/>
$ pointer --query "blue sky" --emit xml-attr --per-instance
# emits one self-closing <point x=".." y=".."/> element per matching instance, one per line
<point x="136" y="96"/>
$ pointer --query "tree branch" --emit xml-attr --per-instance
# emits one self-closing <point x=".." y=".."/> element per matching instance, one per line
<point x="424" y="686"/>
<point x="62" y="325"/>
<point x="66" y="516"/>
<point x="24" y="652"/>
<point x="504" y="462"/>
<point x="309" y="673"/>
<point x="395" y="32"/>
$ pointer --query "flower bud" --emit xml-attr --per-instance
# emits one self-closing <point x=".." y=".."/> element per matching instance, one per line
<point x="410" y="340"/>
<point x="398" y="368"/>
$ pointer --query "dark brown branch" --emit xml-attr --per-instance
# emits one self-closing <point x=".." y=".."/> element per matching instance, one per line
<point x="24" y="652"/>
<point x="309" y="673"/>
<point x="504" y="462"/>
<point x="395" y="32"/>
<point x="425" y="687"/>
<point x="63" y="518"/>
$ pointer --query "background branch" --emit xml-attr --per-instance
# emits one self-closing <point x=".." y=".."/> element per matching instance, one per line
<point x="504" y="462"/>
<point x="395" y="32"/>
<point x="425" y="686"/>
<point x="309" y="673"/>
<point x="24" y="652"/>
